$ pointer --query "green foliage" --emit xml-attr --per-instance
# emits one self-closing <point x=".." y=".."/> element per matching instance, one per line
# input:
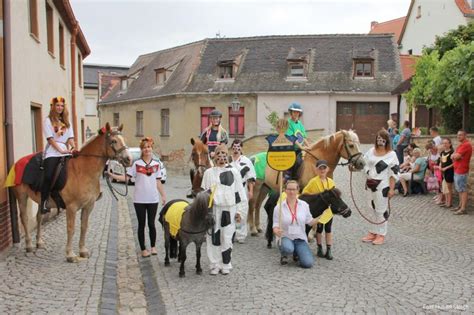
<point x="272" y="118"/>
<point x="453" y="80"/>
<point x="423" y="130"/>
<point x="421" y="90"/>
<point x="452" y="119"/>
<point x="464" y="34"/>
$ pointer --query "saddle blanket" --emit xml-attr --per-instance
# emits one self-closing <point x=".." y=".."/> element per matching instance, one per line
<point x="174" y="215"/>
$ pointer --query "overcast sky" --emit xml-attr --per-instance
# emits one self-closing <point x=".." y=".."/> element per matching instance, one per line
<point x="118" y="31"/>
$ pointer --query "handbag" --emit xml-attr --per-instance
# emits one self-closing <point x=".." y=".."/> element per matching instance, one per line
<point x="432" y="184"/>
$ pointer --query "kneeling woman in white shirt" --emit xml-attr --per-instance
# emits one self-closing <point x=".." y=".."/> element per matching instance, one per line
<point x="290" y="226"/>
<point x="148" y="189"/>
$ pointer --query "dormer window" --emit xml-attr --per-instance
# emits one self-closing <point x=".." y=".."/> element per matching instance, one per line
<point x="298" y="63"/>
<point x="363" y="68"/>
<point x="226" y="70"/>
<point x="163" y="73"/>
<point x="160" y="76"/>
<point x="123" y="84"/>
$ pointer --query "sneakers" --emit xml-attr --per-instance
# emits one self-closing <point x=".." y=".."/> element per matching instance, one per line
<point x="283" y="260"/>
<point x="369" y="237"/>
<point x="379" y="240"/>
<point x="225" y="272"/>
<point x="214" y="271"/>
<point x="240" y="241"/>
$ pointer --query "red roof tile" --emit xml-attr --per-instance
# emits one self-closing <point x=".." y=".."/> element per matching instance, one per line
<point x="393" y="26"/>
<point x="408" y="63"/>
<point x="464" y="7"/>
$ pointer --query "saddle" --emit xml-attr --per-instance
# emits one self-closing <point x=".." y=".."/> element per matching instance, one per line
<point x="34" y="177"/>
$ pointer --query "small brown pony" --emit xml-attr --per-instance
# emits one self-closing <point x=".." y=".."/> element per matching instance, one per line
<point x="331" y="148"/>
<point x="81" y="190"/>
<point x="201" y="161"/>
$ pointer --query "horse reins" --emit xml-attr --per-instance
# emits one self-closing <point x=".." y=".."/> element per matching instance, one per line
<point x="349" y="161"/>
<point x="360" y="212"/>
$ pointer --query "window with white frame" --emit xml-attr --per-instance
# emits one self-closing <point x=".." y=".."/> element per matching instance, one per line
<point x="296" y="70"/>
<point x="91" y="109"/>
<point x="363" y="68"/>
<point x="123" y="84"/>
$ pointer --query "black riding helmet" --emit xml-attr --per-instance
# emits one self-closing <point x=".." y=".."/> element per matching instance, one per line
<point x="215" y="113"/>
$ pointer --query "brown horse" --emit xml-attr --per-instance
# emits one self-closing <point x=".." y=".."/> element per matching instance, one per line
<point x="81" y="190"/>
<point x="331" y="148"/>
<point x="201" y="161"/>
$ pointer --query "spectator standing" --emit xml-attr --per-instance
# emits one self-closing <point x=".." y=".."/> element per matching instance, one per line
<point x="446" y="166"/>
<point x="461" y="159"/>
<point x="405" y="138"/>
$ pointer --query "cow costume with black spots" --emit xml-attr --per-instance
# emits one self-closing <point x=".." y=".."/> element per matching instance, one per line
<point x="229" y="198"/>
<point x="382" y="171"/>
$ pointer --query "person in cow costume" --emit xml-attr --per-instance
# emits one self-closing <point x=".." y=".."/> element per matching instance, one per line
<point x="229" y="199"/>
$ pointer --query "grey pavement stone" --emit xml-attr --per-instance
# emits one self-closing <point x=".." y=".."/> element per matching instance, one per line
<point x="44" y="282"/>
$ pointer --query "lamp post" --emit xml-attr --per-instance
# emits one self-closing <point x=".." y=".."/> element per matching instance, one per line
<point x="235" y="104"/>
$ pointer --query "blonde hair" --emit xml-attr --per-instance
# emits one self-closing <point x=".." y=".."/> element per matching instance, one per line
<point x="144" y="142"/>
<point x="57" y="119"/>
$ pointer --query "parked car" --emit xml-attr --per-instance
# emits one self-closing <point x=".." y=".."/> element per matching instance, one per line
<point x="118" y="169"/>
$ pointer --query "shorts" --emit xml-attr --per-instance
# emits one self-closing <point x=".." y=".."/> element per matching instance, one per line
<point x="448" y="175"/>
<point x="460" y="182"/>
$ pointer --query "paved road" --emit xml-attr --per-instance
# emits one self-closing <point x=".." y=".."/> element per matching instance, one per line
<point x="425" y="266"/>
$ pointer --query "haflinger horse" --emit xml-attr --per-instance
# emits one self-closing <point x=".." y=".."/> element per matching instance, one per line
<point x="81" y="190"/>
<point x="344" y="143"/>
<point x="201" y="161"/>
<point x="186" y="223"/>
<point x="317" y="204"/>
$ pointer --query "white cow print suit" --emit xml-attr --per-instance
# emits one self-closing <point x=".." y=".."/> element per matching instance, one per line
<point x="380" y="168"/>
<point x="229" y="198"/>
<point x="247" y="171"/>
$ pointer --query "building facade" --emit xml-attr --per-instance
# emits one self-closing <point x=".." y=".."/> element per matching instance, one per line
<point x="92" y="92"/>
<point x="342" y="81"/>
<point x="427" y="19"/>
<point x="44" y="49"/>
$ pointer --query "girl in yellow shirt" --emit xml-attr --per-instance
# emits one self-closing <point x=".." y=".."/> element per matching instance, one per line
<point x="317" y="185"/>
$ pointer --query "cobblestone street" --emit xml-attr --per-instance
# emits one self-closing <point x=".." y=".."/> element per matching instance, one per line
<point x="425" y="266"/>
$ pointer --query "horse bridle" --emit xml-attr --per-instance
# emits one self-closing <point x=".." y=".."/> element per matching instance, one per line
<point x="352" y="157"/>
<point x="328" y="204"/>
<point x="108" y="142"/>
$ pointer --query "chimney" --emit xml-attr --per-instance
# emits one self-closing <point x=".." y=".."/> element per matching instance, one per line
<point x="372" y="24"/>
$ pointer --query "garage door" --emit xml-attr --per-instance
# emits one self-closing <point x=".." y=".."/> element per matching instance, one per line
<point x="365" y="117"/>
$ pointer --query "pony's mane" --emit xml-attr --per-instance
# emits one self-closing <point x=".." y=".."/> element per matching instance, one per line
<point x="198" y="208"/>
<point x="325" y="141"/>
<point x="89" y="141"/>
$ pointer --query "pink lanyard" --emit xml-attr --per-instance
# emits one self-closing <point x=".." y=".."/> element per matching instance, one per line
<point x="293" y="214"/>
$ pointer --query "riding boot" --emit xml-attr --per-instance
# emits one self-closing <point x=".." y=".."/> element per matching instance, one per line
<point x="328" y="253"/>
<point x="42" y="206"/>
<point x="320" y="251"/>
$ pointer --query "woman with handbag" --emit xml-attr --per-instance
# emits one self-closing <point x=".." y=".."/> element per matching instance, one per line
<point x="382" y="168"/>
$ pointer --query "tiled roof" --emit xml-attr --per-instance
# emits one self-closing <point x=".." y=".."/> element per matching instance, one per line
<point x="263" y="66"/>
<point x="91" y="73"/>
<point x="408" y="63"/>
<point x="465" y="8"/>
<point x="186" y="56"/>
<point x="393" y="26"/>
